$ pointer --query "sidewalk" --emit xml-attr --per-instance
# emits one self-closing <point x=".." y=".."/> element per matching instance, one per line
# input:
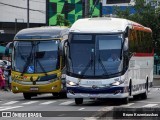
<point x="156" y="77"/>
<point x="156" y="81"/>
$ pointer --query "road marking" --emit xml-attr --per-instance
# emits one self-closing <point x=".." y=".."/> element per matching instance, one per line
<point x="91" y="118"/>
<point x="129" y="104"/>
<point x="48" y="102"/>
<point x="27" y="103"/>
<point x="149" y="105"/>
<point x="81" y="109"/>
<point x="11" y="102"/>
<point x="9" y="107"/>
<point x="67" y="103"/>
<point x="61" y="115"/>
<point x="148" y="102"/>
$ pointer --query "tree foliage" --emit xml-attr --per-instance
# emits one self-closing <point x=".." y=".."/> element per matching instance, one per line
<point x="61" y="21"/>
<point x="146" y="15"/>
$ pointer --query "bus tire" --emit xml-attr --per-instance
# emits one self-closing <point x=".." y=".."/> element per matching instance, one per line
<point x="130" y="88"/>
<point x="27" y="96"/>
<point x="144" y="95"/>
<point x="125" y="100"/>
<point x="78" y="101"/>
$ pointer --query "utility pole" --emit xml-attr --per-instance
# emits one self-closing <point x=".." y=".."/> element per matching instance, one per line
<point x="83" y="8"/>
<point x="15" y="25"/>
<point x="47" y="12"/>
<point x="100" y="4"/>
<point x="66" y="9"/>
<point x="27" y="13"/>
<point x="87" y="8"/>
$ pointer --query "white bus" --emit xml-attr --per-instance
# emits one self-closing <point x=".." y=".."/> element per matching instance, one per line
<point x="109" y="58"/>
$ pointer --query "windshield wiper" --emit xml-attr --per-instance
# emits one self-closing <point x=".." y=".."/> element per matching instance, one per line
<point x="87" y="66"/>
<point x="28" y="60"/>
<point x="102" y="65"/>
<point x="42" y="67"/>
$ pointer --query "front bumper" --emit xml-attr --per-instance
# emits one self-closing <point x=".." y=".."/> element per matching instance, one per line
<point x="111" y="92"/>
<point x="43" y="88"/>
<point x="87" y="95"/>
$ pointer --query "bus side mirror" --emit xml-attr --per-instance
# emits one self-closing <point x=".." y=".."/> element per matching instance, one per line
<point x="63" y="47"/>
<point x="6" y="51"/>
<point x="125" y="47"/>
<point x="8" y="46"/>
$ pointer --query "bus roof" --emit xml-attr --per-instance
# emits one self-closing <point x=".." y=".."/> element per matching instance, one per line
<point x="105" y="25"/>
<point x="41" y="33"/>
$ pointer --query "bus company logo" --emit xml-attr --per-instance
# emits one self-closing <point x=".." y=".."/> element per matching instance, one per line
<point x="94" y="87"/>
<point x="6" y="114"/>
<point x="25" y="78"/>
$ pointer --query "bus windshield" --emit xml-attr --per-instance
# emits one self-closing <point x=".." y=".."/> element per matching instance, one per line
<point x="35" y="56"/>
<point x="95" y="55"/>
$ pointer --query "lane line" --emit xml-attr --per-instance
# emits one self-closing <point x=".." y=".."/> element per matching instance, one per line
<point x="27" y="103"/>
<point x="67" y="103"/>
<point x="11" y="102"/>
<point x="48" y="102"/>
<point x="149" y="105"/>
<point x="81" y="109"/>
<point x="61" y="115"/>
<point x="148" y="102"/>
<point x="129" y="104"/>
<point x="8" y="107"/>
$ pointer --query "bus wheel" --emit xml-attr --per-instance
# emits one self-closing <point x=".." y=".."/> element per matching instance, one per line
<point x="27" y="96"/>
<point x="144" y="95"/>
<point x="78" y="101"/>
<point x="125" y="100"/>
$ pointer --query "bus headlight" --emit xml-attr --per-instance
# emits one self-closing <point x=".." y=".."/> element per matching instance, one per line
<point x="116" y="83"/>
<point x="71" y="83"/>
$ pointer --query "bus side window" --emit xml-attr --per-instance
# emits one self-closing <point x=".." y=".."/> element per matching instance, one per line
<point x="131" y="41"/>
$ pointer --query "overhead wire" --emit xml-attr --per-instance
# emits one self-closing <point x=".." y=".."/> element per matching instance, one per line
<point x="22" y="7"/>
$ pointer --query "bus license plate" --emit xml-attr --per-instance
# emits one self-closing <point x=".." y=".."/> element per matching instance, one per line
<point x="93" y="95"/>
<point x="91" y="82"/>
<point x="34" y="88"/>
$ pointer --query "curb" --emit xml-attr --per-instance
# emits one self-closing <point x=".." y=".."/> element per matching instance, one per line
<point x="156" y="79"/>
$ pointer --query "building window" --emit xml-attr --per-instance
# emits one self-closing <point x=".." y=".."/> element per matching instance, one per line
<point x="117" y="1"/>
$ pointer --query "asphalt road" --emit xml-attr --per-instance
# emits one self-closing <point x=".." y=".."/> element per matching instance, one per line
<point x="57" y="107"/>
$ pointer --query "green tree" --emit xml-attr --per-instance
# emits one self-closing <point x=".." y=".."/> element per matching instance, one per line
<point x="61" y="21"/>
<point x="146" y="15"/>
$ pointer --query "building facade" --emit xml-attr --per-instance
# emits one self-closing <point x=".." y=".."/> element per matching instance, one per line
<point x="73" y="9"/>
<point x="13" y="17"/>
<point x="108" y="5"/>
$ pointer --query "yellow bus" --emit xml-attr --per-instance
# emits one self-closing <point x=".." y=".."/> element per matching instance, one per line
<point x="37" y="61"/>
